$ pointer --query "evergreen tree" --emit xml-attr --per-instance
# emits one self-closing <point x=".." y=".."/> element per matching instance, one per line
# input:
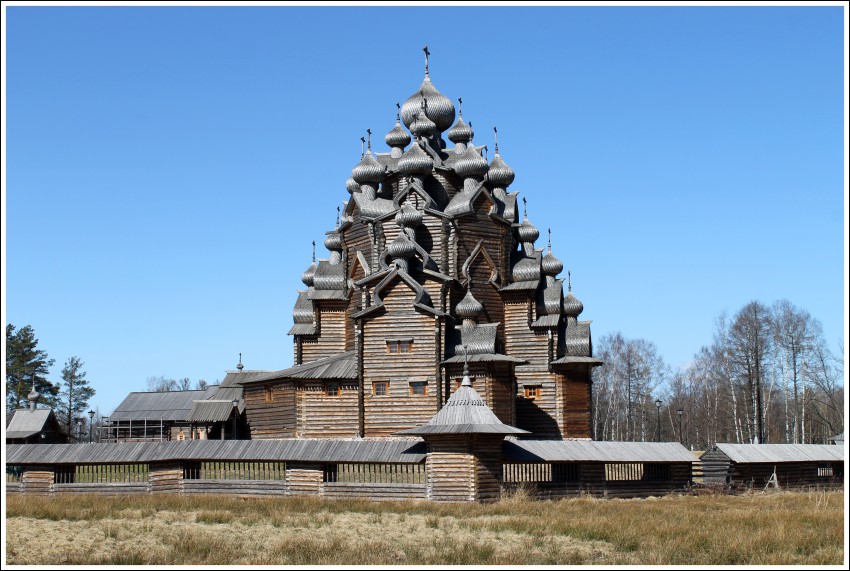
<point x="75" y="394"/>
<point x="24" y="361"/>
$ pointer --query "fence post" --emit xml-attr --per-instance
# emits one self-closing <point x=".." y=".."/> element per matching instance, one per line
<point x="37" y="480"/>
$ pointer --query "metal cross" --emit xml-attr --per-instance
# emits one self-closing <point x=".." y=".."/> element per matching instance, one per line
<point x="427" y="53"/>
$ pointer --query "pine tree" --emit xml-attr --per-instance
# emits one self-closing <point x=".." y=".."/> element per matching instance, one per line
<point x="75" y="394"/>
<point x="24" y="361"/>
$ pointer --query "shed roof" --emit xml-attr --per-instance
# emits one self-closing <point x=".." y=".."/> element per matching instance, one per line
<point x="407" y="451"/>
<point x="339" y="366"/>
<point x="210" y="411"/>
<point x="770" y="453"/>
<point x="27" y="422"/>
<point x="589" y="451"/>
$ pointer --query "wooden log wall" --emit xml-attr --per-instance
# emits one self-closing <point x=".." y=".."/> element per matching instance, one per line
<point x="304" y="478"/>
<point x="275" y="419"/>
<point x="577" y="421"/>
<point x="789" y="474"/>
<point x="324" y="416"/>
<point x="103" y="488"/>
<point x="239" y="488"/>
<point x="451" y="469"/>
<point x="487" y="450"/>
<point x="166" y="478"/>
<point x="37" y="480"/>
<point x="385" y="415"/>
<point x="14" y="488"/>
<point x="374" y="491"/>
<point x="332" y="324"/>
<point x="493" y="382"/>
<point x="716" y="468"/>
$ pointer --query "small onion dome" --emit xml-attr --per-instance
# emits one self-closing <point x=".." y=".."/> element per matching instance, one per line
<point x="415" y="161"/>
<point x="408" y="216"/>
<point x="469" y="307"/>
<point x="333" y="241"/>
<point x="527" y="232"/>
<point x="500" y="174"/>
<point x="397" y="137"/>
<point x="470" y="164"/>
<point x="33" y="396"/>
<point x="461" y="132"/>
<point x="309" y="274"/>
<point x="422" y="125"/>
<point x="401" y="247"/>
<point x="368" y="170"/>
<point x="440" y="108"/>
<point x="351" y="185"/>
<point x="550" y="264"/>
<point x="572" y="306"/>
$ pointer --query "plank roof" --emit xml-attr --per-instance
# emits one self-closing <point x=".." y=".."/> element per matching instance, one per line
<point x="778" y="453"/>
<point x="402" y="451"/>
<point x="25" y="422"/>
<point x="339" y="366"/>
<point x="590" y="451"/>
<point x="156" y="406"/>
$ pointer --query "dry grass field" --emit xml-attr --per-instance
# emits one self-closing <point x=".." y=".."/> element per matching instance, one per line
<point x="757" y="529"/>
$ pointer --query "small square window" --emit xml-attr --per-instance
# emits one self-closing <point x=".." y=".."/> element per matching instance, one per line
<point x="532" y="392"/>
<point x="332" y="390"/>
<point x="419" y="388"/>
<point x="380" y="388"/>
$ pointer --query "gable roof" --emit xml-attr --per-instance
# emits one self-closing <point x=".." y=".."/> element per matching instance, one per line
<point x="341" y="366"/>
<point x="156" y="406"/>
<point x="25" y="422"/>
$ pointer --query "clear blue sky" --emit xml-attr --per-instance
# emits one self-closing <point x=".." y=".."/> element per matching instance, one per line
<point x="167" y="168"/>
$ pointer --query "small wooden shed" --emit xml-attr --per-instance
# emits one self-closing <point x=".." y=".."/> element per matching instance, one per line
<point x="754" y="465"/>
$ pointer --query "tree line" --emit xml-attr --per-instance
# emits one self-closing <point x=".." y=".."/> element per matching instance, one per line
<point x="768" y="376"/>
<point x="27" y="368"/>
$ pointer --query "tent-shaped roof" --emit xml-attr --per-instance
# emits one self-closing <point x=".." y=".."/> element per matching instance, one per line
<point x="465" y="413"/>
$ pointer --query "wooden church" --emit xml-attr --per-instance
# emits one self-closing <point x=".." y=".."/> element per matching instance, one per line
<point x="431" y="263"/>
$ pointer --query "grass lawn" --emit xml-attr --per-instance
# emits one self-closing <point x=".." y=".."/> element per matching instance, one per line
<point x="778" y="528"/>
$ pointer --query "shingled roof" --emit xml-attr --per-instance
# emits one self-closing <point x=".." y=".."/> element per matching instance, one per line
<point x="25" y="422"/>
<point x="339" y="366"/>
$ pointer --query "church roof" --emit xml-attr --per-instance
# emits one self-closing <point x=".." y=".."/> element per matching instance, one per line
<point x="26" y="422"/>
<point x="341" y="366"/>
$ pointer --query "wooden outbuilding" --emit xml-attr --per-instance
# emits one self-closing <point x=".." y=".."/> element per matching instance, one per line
<point x="756" y="466"/>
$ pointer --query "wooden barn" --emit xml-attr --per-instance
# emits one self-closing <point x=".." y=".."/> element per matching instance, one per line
<point x="744" y="466"/>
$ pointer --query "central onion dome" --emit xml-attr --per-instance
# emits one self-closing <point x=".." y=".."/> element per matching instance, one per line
<point x="368" y="170"/>
<point x="440" y="108"/>
<point x="469" y="307"/>
<point x="415" y="161"/>
<point x="408" y="216"/>
<point x="470" y="164"/>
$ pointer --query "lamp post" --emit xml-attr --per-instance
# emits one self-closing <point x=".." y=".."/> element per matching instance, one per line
<point x="103" y="422"/>
<point x="235" y="403"/>
<point x="79" y="429"/>
<point x="91" y="422"/>
<point x="658" y="422"/>
<point x="679" y="412"/>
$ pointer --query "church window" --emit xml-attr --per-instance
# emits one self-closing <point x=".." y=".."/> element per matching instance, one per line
<point x="532" y="391"/>
<point x="332" y="390"/>
<point x="269" y="393"/>
<point x="379" y="388"/>
<point x="418" y="388"/>
<point x="399" y="346"/>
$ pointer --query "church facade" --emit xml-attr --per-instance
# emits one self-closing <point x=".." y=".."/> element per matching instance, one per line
<point x="433" y="262"/>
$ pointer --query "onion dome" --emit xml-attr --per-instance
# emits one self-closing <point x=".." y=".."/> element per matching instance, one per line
<point x="333" y="241"/>
<point x="500" y="174"/>
<point x="461" y="132"/>
<point x="469" y="307"/>
<point x="397" y="137"/>
<point x="440" y="109"/>
<point x="527" y="231"/>
<point x="572" y="306"/>
<point x="408" y="216"/>
<point x="351" y="185"/>
<point x="309" y="274"/>
<point x="422" y="124"/>
<point x="401" y="247"/>
<point x="415" y="161"/>
<point x="470" y="164"/>
<point x="368" y="170"/>
<point x="550" y="264"/>
<point x="33" y="395"/>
